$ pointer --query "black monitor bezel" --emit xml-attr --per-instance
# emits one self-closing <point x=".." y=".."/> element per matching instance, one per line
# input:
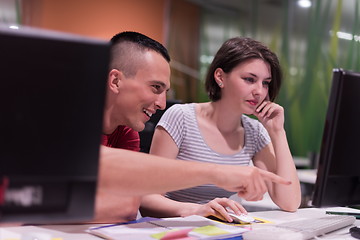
<point x="71" y="191"/>
<point x="337" y="188"/>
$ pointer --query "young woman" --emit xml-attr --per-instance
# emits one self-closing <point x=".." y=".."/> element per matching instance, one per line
<point x="243" y="79"/>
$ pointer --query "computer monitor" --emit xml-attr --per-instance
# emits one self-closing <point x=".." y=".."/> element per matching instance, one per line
<point x="338" y="172"/>
<point x="52" y="92"/>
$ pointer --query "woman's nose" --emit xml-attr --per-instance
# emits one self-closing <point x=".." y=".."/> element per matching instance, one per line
<point x="258" y="89"/>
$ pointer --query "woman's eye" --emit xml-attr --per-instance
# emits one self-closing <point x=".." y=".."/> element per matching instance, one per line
<point x="266" y="83"/>
<point x="249" y="79"/>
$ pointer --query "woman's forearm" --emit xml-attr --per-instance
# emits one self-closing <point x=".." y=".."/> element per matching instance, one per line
<point x="287" y="197"/>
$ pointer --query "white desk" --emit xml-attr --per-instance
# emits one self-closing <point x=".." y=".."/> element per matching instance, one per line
<point x="266" y="204"/>
<point x="307" y="178"/>
<point x="307" y="175"/>
<point x="302" y="162"/>
<point x="77" y="232"/>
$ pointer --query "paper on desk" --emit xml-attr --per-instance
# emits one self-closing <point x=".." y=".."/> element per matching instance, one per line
<point x="5" y="234"/>
<point x="13" y="235"/>
<point x="197" y="227"/>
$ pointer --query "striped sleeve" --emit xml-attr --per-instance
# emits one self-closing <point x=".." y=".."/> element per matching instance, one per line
<point x="264" y="138"/>
<point x="258" y="133"/>
<point x="173" y="122"/>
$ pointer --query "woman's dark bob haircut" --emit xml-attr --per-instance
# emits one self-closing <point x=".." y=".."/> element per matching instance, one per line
<point x="236" y="51"/>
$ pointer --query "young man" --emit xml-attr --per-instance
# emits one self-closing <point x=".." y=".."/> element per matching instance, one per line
<point x="138" y="80"/>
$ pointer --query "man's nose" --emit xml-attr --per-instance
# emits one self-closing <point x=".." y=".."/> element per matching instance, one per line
<point x="161" y="101"/>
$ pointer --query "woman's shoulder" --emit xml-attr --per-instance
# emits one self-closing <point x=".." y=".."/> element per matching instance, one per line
<point x="250" y="122"/>
<point x="184" y="108"/>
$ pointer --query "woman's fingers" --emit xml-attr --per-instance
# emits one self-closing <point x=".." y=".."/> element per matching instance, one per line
<point x="222" y="206"/>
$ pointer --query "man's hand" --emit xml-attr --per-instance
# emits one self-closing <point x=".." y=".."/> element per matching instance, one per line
<point x="248" y="182"/>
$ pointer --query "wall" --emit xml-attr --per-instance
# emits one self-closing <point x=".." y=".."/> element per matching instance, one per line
<point x="97" y="18"/>
<point x="183" y="46"/>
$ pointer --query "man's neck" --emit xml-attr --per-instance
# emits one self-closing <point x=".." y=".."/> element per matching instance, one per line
<point x="108" y="127"/>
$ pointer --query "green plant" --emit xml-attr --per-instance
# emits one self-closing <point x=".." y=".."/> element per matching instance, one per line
<point x="305" y="94"/>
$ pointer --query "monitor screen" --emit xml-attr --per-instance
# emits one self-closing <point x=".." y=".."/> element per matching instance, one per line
<point x="338" y="174"/>
<point x="51" y="105"/>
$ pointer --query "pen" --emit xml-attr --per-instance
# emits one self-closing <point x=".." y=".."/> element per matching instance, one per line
<point x="356" y="215"/>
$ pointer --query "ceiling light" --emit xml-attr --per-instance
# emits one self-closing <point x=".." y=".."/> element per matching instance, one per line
<point x="304" y="3"/>
<point x="14" y="27"/>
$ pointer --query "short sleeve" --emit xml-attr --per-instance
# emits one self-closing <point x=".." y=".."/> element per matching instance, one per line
<point x="263" y="137"/>
<point x="173" y="122"/>
<point x="257" y="135"/>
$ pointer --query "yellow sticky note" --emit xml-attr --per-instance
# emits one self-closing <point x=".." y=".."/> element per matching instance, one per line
<point x="160" y="234"/>
<point x="210" y="230"/>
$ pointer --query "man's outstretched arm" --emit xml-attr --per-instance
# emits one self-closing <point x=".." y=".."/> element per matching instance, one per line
<point x="134" y="174"/>
<point x="125" y="173"/>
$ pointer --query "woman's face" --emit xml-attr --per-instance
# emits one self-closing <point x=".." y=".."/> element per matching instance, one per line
<point x="247" y="85"/>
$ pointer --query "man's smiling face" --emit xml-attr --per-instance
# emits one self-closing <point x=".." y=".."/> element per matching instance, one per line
<point x="144" y="93"/>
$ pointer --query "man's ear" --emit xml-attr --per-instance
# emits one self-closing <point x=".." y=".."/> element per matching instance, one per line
<point x="114" y="80"/>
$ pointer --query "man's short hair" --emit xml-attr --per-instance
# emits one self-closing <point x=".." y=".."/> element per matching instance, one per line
<point x="126" y="50"/>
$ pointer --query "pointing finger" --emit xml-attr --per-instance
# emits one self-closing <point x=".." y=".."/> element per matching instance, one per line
<point x="269" y="176"/>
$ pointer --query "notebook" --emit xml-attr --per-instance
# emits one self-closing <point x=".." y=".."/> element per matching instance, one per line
<point x="194" y="227"/>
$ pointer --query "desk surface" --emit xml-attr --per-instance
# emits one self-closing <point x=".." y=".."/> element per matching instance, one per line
<point x="307" y="175"/>
<point x="302" y="162"/>
<point x="77" y="232"/>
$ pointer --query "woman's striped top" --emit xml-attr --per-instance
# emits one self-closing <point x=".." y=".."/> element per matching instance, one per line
<point x="181" y="123"/>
